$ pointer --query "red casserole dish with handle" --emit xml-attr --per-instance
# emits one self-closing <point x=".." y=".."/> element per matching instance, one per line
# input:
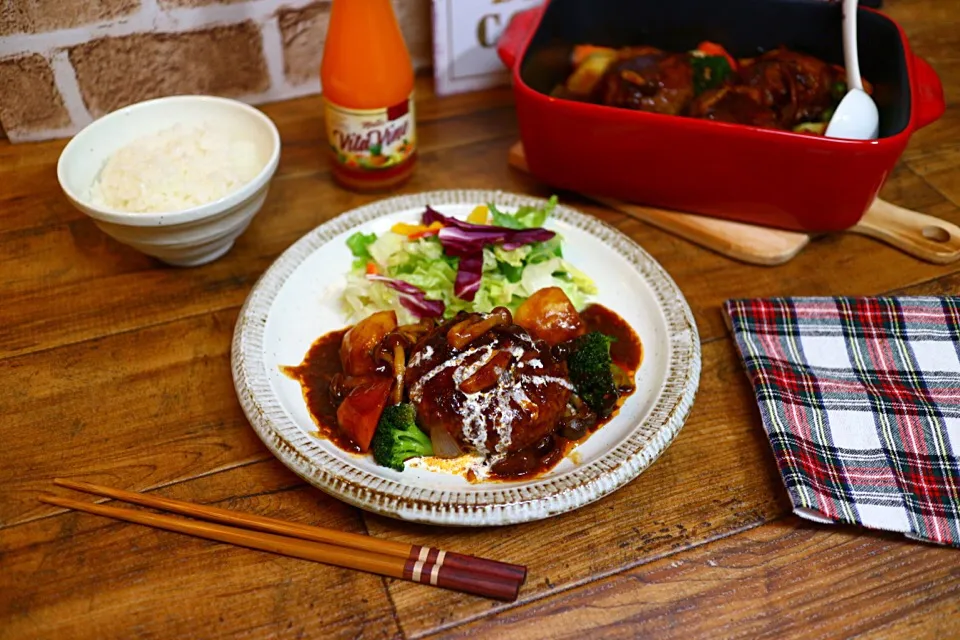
<point x="738" y="172"/>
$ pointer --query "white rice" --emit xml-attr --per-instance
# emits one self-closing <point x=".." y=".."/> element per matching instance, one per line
<point x="175" y="169"/>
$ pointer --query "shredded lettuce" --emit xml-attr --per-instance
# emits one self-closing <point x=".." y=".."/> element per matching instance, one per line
<point x="388" y="245"/>
<point x="508" y="276"/>
<point x="525" y="217"/>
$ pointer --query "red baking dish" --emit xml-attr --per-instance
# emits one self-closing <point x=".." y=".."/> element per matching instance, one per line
<point x="739" y="172"/>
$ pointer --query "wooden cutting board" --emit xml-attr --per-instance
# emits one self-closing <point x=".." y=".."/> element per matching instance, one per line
<point x="912" y="232"/>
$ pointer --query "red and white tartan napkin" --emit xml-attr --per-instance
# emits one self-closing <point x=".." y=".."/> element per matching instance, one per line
<point x="860" y="398"/>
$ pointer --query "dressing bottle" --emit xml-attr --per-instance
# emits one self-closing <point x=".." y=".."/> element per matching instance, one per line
<point x="367" y="79"/>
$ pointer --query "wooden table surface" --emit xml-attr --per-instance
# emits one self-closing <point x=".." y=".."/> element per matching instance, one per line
<point x="116" y="369"/>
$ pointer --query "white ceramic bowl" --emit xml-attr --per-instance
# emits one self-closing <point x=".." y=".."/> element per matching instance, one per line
<point x="184" y="238"/>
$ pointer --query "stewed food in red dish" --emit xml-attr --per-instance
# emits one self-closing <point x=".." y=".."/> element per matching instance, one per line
<point x="779" y="89"/>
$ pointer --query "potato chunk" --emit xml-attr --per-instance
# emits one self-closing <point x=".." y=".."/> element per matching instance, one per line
<point x="549" y="315"/>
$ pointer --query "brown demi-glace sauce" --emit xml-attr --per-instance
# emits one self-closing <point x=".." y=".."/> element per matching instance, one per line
<point x="322" y="363"/>
<point x="626" y="350"/>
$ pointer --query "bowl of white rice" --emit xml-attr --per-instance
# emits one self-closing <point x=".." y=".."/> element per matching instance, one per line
<point x="178" y="178"/>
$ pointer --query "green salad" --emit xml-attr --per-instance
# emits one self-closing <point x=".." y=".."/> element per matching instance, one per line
<point x="439" y="266"/>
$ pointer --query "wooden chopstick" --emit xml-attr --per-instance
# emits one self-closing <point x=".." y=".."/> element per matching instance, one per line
<point x="412" y="553"/>
<point x="438" y="574"/>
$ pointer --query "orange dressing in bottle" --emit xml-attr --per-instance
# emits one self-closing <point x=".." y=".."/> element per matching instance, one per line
<point x="367" y="79"/>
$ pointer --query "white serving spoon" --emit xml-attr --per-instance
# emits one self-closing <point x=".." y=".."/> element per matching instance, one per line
<point x="856" y="116"/>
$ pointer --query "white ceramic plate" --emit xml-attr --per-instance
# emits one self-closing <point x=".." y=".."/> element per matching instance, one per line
<point x="297" y="300"/>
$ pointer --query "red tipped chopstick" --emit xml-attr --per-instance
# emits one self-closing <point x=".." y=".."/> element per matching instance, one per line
<point x="425" y="565"/>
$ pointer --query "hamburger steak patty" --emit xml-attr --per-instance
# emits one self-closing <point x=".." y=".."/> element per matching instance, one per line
<point x="500" y="393"/>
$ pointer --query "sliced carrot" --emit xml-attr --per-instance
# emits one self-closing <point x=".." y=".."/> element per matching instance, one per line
<point x="714" y="49"/>
<point x="372" y="269"/>
<point x="360" y="411"/>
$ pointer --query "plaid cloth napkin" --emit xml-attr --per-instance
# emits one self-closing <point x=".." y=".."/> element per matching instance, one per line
<point x="860" y="398"/>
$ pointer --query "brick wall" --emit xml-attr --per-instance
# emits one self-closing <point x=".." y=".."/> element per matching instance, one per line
<point x="65" y="62"/>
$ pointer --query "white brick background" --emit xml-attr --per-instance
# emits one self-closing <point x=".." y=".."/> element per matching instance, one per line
<point x="65" y="62"/>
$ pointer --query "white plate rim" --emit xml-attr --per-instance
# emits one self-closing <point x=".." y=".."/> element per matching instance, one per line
<point x="502" y="504"/>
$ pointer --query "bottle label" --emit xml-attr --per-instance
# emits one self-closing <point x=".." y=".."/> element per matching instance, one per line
<point x="371" y="139"/>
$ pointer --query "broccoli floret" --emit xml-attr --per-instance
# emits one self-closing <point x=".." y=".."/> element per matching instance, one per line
<point x="398" y="438"/>
<point x="709" y="72"/>
<point x="591" y="372"/>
